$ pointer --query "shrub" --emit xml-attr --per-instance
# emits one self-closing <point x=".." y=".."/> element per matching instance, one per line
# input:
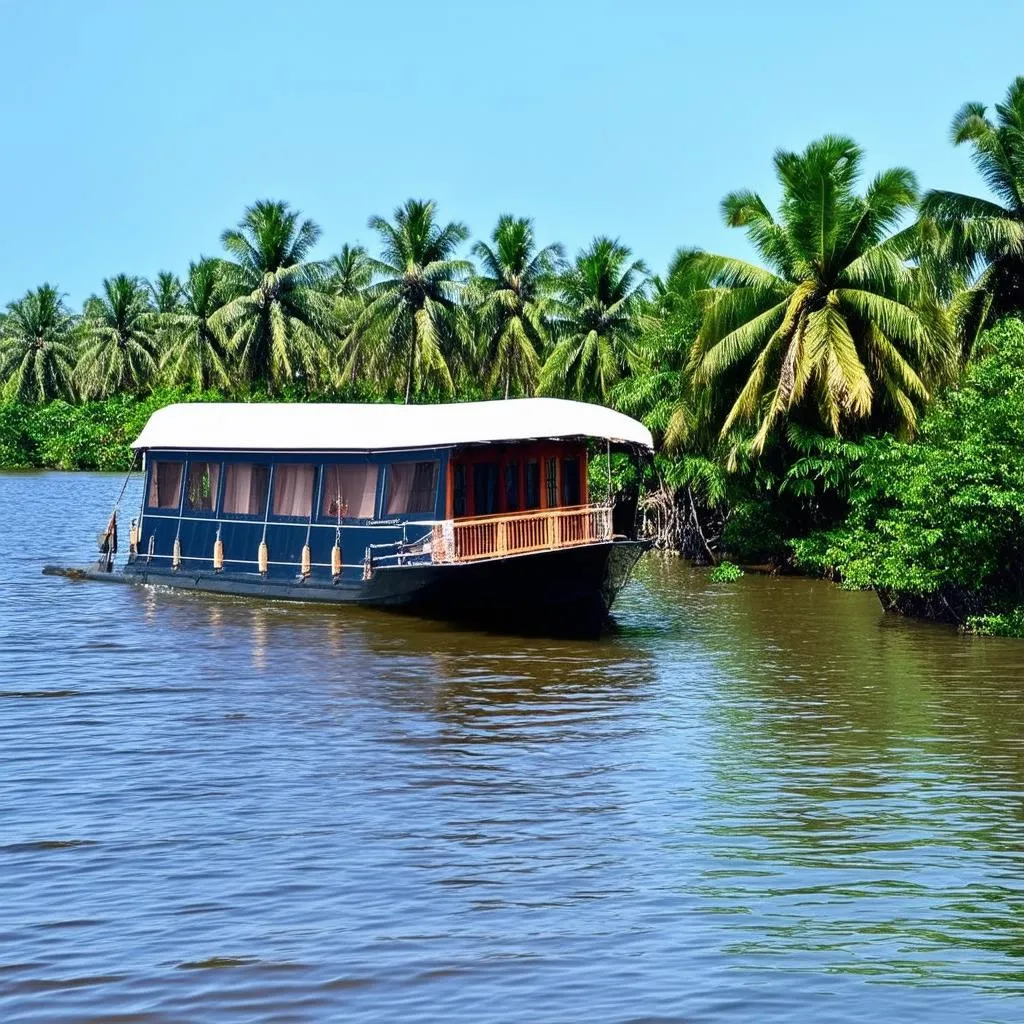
<point x="725" y="572"/>
<point x="938" y="524"/>
<point x="93" y="435"/>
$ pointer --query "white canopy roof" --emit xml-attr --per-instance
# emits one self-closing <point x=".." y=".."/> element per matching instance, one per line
<point x="270" y="426"/>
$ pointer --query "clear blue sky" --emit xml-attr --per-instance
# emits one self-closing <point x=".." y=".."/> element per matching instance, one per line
<point x="135" y="132"/>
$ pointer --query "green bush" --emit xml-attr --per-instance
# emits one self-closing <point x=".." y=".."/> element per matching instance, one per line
<point x="725" y="572"/>
<point x="755" y="531"/>
<point x="938" y="524"/>
<point x="93" y="435"/>
<point x="17" y="449"/>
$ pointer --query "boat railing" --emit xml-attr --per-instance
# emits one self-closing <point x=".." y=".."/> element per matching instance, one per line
<point x="520" y="533"/>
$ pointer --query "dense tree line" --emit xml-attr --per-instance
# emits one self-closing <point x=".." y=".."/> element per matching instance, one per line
<point x="761" y="380"/>
<point x="412" y="322"/>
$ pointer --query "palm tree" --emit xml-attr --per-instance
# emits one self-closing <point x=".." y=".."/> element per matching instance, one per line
<point x="279" y="318"/>
<point x="594" y="321"/>
<point x="119" y="340"/>
<point x="348" y="275"/>
<point x="165" y="292"/>
<point x="515" y="291"/>
<point x="832" y="324"/>
<point x="413" y="327"/>
<point x="987" y="234"/>
<point x="196" y="345"/>
<point x="349" y="272"/>
<point x="37" y="347"/>
<point x="659" y="386"/>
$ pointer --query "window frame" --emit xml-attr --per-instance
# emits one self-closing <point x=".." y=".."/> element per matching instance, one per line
<point x="460" y="491"/>
<point x="246" y="517"/>
<point x="511" y="475"/>
<point x="280" y="517"/>
<point x="567" y="476"/>
<point x="493" y="484"/>
<point x="527" y="463"/>
<point x="388" y="476"/>
<point x="207" y="513"/>
<point x="151" y="479"/>
<point x="551" y="481"/>
<point x="321" y="483"/>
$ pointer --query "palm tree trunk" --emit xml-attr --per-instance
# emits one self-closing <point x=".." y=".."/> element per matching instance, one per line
<point x="412" y="364"/>
<point x="508" y="379"/>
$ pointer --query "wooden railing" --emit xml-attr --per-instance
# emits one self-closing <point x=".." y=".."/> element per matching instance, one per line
<point x="468" y="540"/>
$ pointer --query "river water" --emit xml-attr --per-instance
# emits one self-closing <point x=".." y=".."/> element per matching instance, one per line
<point x="761" y="801"/>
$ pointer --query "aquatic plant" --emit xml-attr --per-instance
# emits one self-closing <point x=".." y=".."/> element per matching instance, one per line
<point x="725" y="572"/>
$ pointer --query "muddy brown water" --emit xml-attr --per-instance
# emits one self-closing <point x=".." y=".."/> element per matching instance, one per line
<point x="754" y="802"/>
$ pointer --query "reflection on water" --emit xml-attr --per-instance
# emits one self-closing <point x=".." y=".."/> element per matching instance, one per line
<point x="753" y="802"/>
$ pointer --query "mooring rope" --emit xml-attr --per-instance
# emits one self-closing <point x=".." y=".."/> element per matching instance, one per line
<point x="124" y="486"/>
<point x="108" y="546"/>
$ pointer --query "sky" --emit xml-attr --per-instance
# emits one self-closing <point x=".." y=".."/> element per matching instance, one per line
<point x="134" y="133"/>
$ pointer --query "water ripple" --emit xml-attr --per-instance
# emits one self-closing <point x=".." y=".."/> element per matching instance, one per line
<point x="756" y="802"/>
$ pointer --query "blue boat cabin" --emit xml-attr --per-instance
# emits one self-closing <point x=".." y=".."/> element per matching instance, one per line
<point x="379" y="508"/>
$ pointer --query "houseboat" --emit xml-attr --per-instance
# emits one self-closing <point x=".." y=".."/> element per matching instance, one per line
<point x="473" y="511"/>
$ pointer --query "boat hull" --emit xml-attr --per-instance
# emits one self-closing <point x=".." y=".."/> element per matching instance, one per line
<point x="567" y="590"/>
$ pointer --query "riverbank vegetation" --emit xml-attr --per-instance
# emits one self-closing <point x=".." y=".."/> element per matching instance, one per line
<point x="848" y="402"/>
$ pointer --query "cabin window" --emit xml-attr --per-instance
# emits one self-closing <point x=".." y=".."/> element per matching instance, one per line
<point x="201" y="492"/>
<point x="570" y="482"/>
<point x="459" y="491"/>
<point x="485" y="488"/>
<point x="532" y="484"/>
<point x="512" y="486"/>
<point x="165" y="485"/>
<point x="245" y="489"/>
<point x="551" y="482"/>
<point x="293" y="490"/>
<point x="350" y="492"/>
<point x="412" y="487"/>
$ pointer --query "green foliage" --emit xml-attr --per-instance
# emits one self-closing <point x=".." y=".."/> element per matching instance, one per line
<point x="1005" y="624"/>
<point x="90" y="435"/>
<point x="625" y="475"/>
<point x="513" y="295"/>
<point x="17" y="447"/>
<point x="195" y="341"/>
<point x="943" y="518"/>
<point x="349" y="272"/>
<point x="781" y="394"/>
<point x="413" y="332"/>
<point x="725" y="572"/>
<point x="594" y="322"/>
<point x="165" y="292"/>
<point x="836" y="331"/>
<point x="820" y="464"/>
<point x="986" y="236"/>
<point x="37" y="347"/>
<point x="756" y="531"/>
<point x="119" y="349"/>
<point x="279" y="319"/>
<point x="659" y="386"/>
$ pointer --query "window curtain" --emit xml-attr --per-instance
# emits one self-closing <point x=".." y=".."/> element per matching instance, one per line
<point x="293" y="490"/>
<point x="399" y="487"/>
<point x="245" y="489"/>
<point x="165" y="485"/>
<point x="424" y="487"/>
<point x="350" y="491"/>
<point x="411" y="488"/>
